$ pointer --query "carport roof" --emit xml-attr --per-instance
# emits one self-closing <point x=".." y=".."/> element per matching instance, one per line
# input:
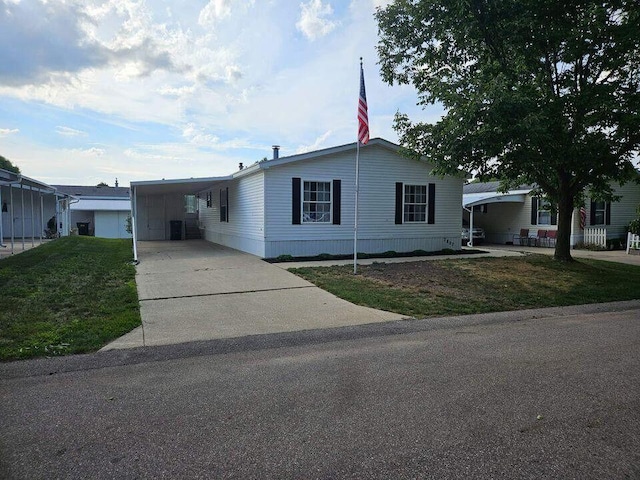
<point x="184" y="186"/>
<point x="513" y="196"/>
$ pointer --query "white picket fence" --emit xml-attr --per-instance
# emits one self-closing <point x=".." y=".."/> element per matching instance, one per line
<point x="633" y="242"/>
<point x="595" y="236"/>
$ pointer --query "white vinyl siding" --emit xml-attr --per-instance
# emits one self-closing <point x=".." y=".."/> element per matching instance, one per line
<point x="380" y="169"/>
<point x="244" y="229"/>
<point x="623" y="211"/>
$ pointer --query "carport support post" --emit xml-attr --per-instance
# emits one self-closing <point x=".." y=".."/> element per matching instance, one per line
<point x="42" y="224"/>
<point x="134" y="214"/>
<point x="470" y="210"/>
<point x="33" y="225"/>
<point x="22" y="211"/>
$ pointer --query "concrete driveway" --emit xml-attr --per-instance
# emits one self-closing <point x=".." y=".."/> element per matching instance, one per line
<point x="195" y="290"/>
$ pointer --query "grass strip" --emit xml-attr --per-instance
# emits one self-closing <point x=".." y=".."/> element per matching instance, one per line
<point x="478" y="285"/>
<point x="70" y="295"/>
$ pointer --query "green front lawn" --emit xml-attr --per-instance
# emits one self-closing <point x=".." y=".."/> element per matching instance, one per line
<point x="478" y="285"/>
<point x="70" y="295"/>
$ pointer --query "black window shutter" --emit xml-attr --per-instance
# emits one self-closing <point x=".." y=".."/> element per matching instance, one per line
<point x="295" y="201"/>
<point x="431" y="204"/>
<point x="226" y="212"/>
<point x="399" y="195"/>
<point x="592" y="213"/>
<point x="534" y="210"/>
<point x="336" y="201"/>
<point x="221" y="205"/>
<point x="608" y="214"/>
<point x="554" y="217"/>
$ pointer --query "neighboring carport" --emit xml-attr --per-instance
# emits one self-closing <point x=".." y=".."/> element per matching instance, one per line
<point x="26" y="206"/>
<point x="156" y="203"/>
<point x="472" y="200"/>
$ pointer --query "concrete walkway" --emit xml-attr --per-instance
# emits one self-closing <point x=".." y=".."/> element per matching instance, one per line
<point x="618" y="256"/>
<point x="195" y="290"/>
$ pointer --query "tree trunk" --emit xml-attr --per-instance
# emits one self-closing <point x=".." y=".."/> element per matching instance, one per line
<point x="563" y="240"/>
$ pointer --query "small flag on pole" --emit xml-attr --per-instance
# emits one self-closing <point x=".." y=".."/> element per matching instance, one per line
<point x="583" y="217"/>
<point x="363" y="116"/>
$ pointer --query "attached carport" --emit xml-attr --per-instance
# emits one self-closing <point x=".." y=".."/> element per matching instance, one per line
<point x="156" y="203"/>
<point x="471" y="200"/>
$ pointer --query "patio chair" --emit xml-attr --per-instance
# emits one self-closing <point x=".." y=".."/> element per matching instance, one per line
<point x="541" y="238"/>
<point x="551" y="238"/>
<point x="523" y="237"/>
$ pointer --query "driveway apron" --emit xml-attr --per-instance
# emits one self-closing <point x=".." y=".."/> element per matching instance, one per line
<point x="196" y="290"/>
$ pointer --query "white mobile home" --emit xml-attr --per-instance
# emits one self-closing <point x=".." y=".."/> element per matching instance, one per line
<point x="100" y="211"/>
<point x="503" y="214"/>
<point x="304" y="205"/>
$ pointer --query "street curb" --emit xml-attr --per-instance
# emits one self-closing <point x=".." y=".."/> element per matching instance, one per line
<point x="139" y="355"/>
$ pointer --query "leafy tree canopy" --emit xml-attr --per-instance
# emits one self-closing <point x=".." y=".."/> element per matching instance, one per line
<point x="102" y="184"/>
<point x="6" y="164"/>
<point x="539" y="92"/>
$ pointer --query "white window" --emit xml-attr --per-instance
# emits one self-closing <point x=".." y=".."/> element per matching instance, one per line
<point x="415" y="203"/>
<point x="544" y="212"/>
<point x="316" y="202"/>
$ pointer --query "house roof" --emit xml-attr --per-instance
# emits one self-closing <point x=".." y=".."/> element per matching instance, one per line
<point x="481" y="187"/>
<point x="94" y="191"/>
<point x="299" y="157"/>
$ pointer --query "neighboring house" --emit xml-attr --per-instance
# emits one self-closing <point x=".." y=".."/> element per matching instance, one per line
<point x="304" y="205"/>
<point x="99" y="211"/>
<point x="503" y="215"/>
<point x="26" y="206"/>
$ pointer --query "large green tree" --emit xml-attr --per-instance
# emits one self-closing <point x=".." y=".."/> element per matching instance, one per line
<point x="6" y="164"/>
<point x="541" y="92"/>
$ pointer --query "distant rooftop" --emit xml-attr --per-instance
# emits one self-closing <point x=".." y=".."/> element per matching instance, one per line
<point x="92" y="191"/>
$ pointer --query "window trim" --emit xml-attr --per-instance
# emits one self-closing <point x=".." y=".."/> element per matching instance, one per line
<point x="330" y="202"/>
<point x="542" y="203"/>
<point x="426" y="202"/>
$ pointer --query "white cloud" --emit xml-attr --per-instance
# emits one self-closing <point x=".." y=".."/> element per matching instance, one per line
<point x="69" y="132"/>
<point x="88" y="152"/>
<point x="8" y="131"/>
<point x="319" y="143"/>
<point x="213" y="11"/>
<point x="313" y="22"/>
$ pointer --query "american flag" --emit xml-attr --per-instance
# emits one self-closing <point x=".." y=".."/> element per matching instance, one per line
<point x="363" y="117"/>
<point x="583" y="217"/>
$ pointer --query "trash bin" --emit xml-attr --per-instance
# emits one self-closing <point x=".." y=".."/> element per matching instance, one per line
<point x="176" y="229"/>
<point x="83" y="228"/>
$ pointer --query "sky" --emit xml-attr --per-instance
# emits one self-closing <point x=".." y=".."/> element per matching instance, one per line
<point x="91" y="91"/>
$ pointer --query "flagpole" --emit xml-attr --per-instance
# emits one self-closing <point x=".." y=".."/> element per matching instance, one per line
<point x="355" y="229"/>
<point x="363" y="137"/>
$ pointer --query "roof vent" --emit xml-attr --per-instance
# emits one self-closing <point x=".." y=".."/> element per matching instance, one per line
<point x="276" y="152"/>
<point x="240" y="166"/>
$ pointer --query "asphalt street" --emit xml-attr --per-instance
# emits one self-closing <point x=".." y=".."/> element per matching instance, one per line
<point x="551" y="393"/>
